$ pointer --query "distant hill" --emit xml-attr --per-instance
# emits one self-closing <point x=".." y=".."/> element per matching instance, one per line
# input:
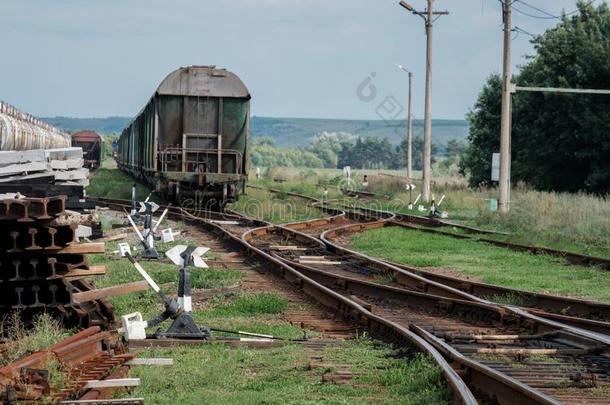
<point x="291" y="132"/>
<point x="102" y="125"/>
<point x="298" y="131"/>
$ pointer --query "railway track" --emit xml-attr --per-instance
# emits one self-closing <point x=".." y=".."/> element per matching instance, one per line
<point x="586" y="314"/>
<point x="435" y="225"/>
<point x="473" y="334"/>
<point x="345" y="310"/>
<point x="489" y="345"/>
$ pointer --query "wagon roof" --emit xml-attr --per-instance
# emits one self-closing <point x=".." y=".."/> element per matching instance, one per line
<point x="89" y="135"/>
<point x="204" y="81"/>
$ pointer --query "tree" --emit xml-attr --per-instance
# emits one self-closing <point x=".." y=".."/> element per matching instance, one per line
<point x="417" y="153"/>
<point x="559" y="141"/>
<point x="484" y="135"/>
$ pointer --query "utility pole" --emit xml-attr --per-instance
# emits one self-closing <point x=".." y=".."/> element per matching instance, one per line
<point x="410" y="130"/>
<point x="429" y="17"/>
<point x="504" y="186"/>
<point x="409" y="124"/>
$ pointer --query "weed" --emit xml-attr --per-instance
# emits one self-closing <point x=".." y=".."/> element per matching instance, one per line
<point x="45" y="331"/>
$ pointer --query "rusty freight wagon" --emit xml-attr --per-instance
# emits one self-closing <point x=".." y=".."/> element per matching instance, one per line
<point x="92" y="145"/>
<point x="190" y="141"/>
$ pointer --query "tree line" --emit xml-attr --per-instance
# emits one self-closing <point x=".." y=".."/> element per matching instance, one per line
<point x="340" y="149"/>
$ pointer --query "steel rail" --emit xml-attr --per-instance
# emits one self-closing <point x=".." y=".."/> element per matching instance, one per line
<point x="582" y="314"/>
<point x="563" y="309"/>
<point x="408" y="279"/>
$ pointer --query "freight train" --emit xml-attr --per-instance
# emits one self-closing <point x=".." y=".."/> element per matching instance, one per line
<point x="190" y="141"/>
<point x="92" y="145"/>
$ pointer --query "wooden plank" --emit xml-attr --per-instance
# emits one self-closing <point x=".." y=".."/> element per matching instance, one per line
<point x="113" y="383"/>
<point x="151" y="362"/>
<point x="92" y="271"/>
<point x="116" y="237"/>
<point x="225" y="222"/>
<point x="531" y="352"/>
<point x="83" y="248"/>
<point x="312" y="257"/>
<point x="122" y="401"/>
<point x="115" y="291"/>
<point x="280" y="247"/>
<point x="171" y="343"/>
<point x="324" y="262"/>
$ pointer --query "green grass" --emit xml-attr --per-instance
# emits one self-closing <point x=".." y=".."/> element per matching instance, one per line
<point x="262" y="303"/>
<point x="488" y="263"/>
<point x="217" y="374"/>
<point x="110" y="182"/>
<point x="275" y="208"/>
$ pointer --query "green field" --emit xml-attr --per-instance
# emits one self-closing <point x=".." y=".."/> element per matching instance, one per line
<point x="487" y="263"/>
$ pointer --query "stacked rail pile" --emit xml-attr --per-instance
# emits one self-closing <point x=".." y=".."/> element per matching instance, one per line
<point x="42" y="264"/>
<point x="37" y="160"/>
<point x="90" y="355"/>
<point x="62" y="166"/>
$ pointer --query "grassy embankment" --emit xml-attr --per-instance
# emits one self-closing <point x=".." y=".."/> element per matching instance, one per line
<point x="109" y="182"/>
<point x="487" y="263"/>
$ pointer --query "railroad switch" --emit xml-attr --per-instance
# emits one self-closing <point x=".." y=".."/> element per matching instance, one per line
<point x="178" y="310"/>
<point x="147" y="237"/>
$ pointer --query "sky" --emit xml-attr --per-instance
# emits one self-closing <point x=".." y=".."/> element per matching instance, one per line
<point x="299" y="58"/>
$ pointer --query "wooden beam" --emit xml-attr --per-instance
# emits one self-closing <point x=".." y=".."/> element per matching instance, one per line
<point x="83" y="248"/>
<point x="150" y="362"/>
<point x="92" y="271"/>
<point x="114" y="383"/>
<point x="116" y="237"/>
<point x="122" y="401"/>
<point x="531" y="352"/>
<point x="107" y="292"/>
<point x="172" y="343"/>
<point x="279" y="247"/>
<point x="324" y="262"/>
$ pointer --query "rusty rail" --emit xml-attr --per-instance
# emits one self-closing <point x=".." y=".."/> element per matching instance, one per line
<point x="87" y="355"/>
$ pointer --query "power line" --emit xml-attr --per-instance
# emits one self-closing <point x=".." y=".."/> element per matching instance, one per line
<point x="546" y="15"/>
<point x="522" y="31"/>
<point x="538" y="9"/>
